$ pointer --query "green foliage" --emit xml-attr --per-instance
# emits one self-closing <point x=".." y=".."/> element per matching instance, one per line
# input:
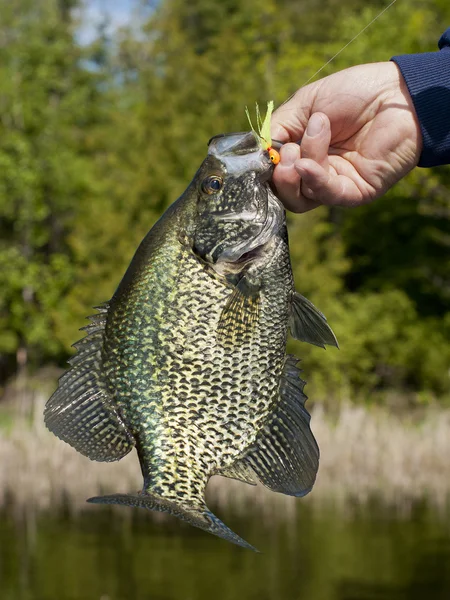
<point x="96" y="142"/>
<point x="411" y="251"/>
<point x="383" y="345"/>
<point x="46" y="110"/>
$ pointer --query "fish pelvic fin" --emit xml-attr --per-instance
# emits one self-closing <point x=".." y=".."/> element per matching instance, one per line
<point x="239" y="315"/>
<point x="198" y="516"/>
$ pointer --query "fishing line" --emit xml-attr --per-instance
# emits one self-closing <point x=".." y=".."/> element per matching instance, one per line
<point x="351" y="41"/>
<point x="344" y="47"/>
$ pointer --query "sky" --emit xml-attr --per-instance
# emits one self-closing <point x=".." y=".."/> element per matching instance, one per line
<point x="118" y="12"/>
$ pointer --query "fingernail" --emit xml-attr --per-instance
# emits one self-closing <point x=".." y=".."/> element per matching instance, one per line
<point x="289" y="154"/>
<point x="315" y="125"/>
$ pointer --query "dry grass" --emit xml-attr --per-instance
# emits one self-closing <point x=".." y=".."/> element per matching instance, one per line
<point x="364" y="454"/>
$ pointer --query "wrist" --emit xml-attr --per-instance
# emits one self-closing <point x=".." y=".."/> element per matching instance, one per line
<point x="427" y="79"/>
<point x="411" y="123"/>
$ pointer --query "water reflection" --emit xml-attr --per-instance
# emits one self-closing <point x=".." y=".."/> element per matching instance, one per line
<point x="106" y="554"/>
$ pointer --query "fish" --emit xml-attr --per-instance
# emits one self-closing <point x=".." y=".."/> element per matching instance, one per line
<point x="187" y="362"/>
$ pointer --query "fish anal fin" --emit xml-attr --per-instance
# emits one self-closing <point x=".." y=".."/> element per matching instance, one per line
<point x="285" y="455"/>
<point x="308" y="324"/>
<point x="238" y="470"/>
<point x="198" y="516"/>
<point x="80" y="412"/>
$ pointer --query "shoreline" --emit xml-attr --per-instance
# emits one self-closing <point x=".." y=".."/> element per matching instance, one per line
<point x="366" y="454"/>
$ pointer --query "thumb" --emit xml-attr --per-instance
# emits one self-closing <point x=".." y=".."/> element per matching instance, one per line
<point x="316" y="139"/>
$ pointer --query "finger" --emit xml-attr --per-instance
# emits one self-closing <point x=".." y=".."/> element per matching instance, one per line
<point x="287" y="180"/>
<point x="327" y="187"/>
<point x="315" y="145"/>
<point x="289" y="121"/>
<point x="316" y="140"/>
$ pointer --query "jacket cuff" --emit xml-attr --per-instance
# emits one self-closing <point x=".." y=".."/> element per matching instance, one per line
<point x="428" y="79"/>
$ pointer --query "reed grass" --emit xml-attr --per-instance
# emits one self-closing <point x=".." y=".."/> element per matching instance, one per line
<point x="365" y="454"/>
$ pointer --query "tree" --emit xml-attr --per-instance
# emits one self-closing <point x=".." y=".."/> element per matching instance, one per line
<point x="47" y="105"/>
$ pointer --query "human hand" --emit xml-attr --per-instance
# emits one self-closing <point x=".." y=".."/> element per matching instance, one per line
<point x="359" y="135"/>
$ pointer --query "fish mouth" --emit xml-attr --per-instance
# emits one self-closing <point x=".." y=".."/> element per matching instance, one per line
<point x="240" y="153"/>
<point x="243" y="136"/>
<point x="228" y="147"/>
<point x="233" y="144"/>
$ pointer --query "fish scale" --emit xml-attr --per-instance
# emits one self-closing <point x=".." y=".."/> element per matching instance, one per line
<point x="187" y="362"/>
<point x="221" y="402"/>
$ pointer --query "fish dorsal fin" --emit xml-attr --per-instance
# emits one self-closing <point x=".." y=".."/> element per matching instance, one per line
<point x="308" y="324"/>
<point x="285" y="455"/>
<point x="80" y="411"/>
<point x="238" y="470"/>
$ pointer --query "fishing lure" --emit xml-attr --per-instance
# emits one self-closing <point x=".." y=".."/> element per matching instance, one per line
<point x="263" y="135"/>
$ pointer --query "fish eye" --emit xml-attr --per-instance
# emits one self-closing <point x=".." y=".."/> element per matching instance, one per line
<point x="212" y="184"/>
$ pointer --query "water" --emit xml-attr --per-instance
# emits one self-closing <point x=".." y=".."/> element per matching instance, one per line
<point x="103" y="555"/>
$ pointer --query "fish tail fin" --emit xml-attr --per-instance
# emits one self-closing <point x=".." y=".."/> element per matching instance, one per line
<point x="198" y="516"/>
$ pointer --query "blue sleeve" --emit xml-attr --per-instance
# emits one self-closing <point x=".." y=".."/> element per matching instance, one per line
<point x="427" y="76"/>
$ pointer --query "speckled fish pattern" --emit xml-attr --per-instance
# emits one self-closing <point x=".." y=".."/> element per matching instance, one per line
<point x="187" y="362"/>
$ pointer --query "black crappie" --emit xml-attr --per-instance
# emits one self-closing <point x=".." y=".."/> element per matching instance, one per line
<point x="187" y="362"/>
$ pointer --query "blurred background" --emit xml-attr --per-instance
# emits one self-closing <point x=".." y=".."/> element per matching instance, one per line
<point x="106" y="108"/>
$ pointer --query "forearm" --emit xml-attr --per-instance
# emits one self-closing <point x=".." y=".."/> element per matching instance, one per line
<point x="427" y="76"/>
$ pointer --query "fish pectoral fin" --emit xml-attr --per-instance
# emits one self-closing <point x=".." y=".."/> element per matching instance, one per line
<point x="308" y="324"/>
<point x="285" y="455"/>
<point x="198" y="516"/>
<point x="241" y="311"/>
<point x="80" y="412"/>
<point x="238" y="470"/>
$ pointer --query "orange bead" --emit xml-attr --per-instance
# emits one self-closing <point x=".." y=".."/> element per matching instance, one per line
<point x="274" y="156"/>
